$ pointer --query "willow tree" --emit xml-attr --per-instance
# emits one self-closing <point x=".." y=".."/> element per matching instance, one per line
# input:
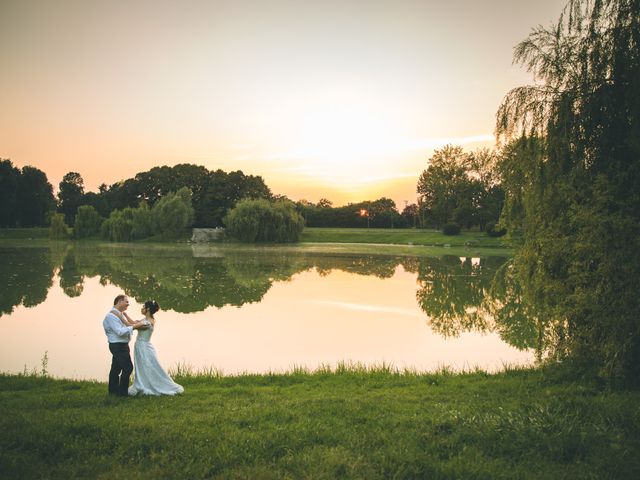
<point x="572" y="163"/>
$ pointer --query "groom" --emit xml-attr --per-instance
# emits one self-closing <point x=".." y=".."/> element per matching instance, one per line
<point x="119" y="335"/>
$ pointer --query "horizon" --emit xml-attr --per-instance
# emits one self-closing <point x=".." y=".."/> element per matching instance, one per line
<point x="328" y="100"/>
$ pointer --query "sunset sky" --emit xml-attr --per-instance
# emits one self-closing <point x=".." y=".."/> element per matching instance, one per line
<point x="338" y="99"/>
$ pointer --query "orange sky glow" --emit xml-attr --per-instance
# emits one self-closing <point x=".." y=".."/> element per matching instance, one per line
<point x="344" y="100"/>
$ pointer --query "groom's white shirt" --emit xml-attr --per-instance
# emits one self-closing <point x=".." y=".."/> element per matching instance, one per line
<point x="117" y="332"/>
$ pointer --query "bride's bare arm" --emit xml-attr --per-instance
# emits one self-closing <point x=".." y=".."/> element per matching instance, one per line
<point x="127" y="320"/>
<point x="124" y="318"/>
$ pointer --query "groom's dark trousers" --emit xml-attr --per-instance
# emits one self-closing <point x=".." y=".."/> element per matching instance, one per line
<point x="121" y="368"/>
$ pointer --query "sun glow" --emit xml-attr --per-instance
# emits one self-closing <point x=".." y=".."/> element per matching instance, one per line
<point x="342" y="143"/>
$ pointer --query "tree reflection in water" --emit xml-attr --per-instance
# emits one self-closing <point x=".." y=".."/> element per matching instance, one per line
<point x="26" y="274"/>
<point x="457" y="294"/>
<point x="466" y="294"/>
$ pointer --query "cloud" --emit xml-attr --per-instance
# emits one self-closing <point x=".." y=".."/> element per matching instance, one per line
<point x="386" y="148"/>
<point x="370" y="308"/>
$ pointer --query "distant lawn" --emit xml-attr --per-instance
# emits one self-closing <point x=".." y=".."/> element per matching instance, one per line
<point x="401" y="237"/>
<point x="353" y="424"/>
<point x="465" y="241"/>
<point x="24" y="233"/>
<point x="43" y="233"/>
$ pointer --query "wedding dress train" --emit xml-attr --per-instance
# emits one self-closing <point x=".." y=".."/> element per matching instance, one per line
<point x="149" y="376"/>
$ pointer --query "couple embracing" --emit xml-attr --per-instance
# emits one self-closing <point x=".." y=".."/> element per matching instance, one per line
<point x="149" y="377"/>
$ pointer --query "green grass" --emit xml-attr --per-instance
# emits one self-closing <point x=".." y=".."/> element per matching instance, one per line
<point x="317" y="240"/>
<point x="349" y="423"/>
<point x="433" y="238"/>
<point x="24" y="233"/>
<point x="39" y="233"/>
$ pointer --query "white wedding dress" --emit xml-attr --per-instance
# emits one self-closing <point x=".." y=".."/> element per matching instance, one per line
<point x="149" y="376"/>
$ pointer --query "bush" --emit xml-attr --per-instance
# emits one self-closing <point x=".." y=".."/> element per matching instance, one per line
<point x="451" y="229"/>
<point x="88" y="222"/>
<point x="262" y="221"/>
<point x="168" y="217"/>
<point x="494" y="231"/>
<point x="58" y="229"/>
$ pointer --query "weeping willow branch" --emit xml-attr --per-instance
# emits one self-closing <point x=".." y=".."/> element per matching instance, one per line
<point x="570" y="59"/>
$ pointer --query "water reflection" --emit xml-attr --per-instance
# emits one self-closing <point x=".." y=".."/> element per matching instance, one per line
<point x="25" y="277"/>
<point x="452" y="290"/>
<point x="456" y="295"/>
<point x="466" y="294"/>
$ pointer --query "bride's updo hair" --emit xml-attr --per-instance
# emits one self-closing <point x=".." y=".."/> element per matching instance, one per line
<point x="151" y="306"/>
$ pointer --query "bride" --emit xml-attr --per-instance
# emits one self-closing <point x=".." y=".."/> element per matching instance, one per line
<point x="149" y="376"/>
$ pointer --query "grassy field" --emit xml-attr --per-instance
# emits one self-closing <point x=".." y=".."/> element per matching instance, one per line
<point x="352" y="423"/>
<point x="396" y="236"/>
<point x="24" y="233"/>
<point x="337" y="235"/>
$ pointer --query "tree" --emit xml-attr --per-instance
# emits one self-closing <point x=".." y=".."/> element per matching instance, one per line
<point x="410" y="213"/>
<point x="575" y="134"/>
<point x="482" y="165"/>
<point x="444" y="186"/>
<point x="98" y="201"/>
<point x="71" y="190"/>
<point x="35" y="198"/>
<point x="87" y="223"/>
<point x="221" y="193"/>
<point x="8" y="193"/>
<point x="123" y="194"/>
<point x="462" y="188"/>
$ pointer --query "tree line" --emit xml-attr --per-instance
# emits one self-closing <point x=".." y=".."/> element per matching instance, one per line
<point x="381" y="213"/>
<point x="457" y="187"/>
<point x="213" y="192"/>
<point x="147" y="204"/>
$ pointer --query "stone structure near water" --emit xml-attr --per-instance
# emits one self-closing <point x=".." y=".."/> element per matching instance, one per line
<point x="204" y="235"/>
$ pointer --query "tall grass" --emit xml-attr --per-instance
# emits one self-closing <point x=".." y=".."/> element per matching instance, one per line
<point x="183" y="370"/>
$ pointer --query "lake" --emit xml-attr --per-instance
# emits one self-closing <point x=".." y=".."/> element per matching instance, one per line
<point x="260" y="309"/>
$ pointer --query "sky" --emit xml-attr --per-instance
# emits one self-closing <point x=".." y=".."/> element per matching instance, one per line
<point x="344" y="100"/>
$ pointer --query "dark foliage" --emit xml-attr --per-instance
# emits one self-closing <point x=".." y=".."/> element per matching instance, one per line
<point x="70" y="195"/>
<point x="263" y="221"/>
<point x="495" y="231"/>
<point x="572" y="177"/>
<point x="459" y="187"/>
<point x="381" y="213"/>
<point x="451" y="229"/>
<point x="26" y="196"/>
<point x="214" y="193"/>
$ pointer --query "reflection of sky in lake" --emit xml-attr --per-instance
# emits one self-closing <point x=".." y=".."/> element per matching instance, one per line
<point x="310" y="320"/>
